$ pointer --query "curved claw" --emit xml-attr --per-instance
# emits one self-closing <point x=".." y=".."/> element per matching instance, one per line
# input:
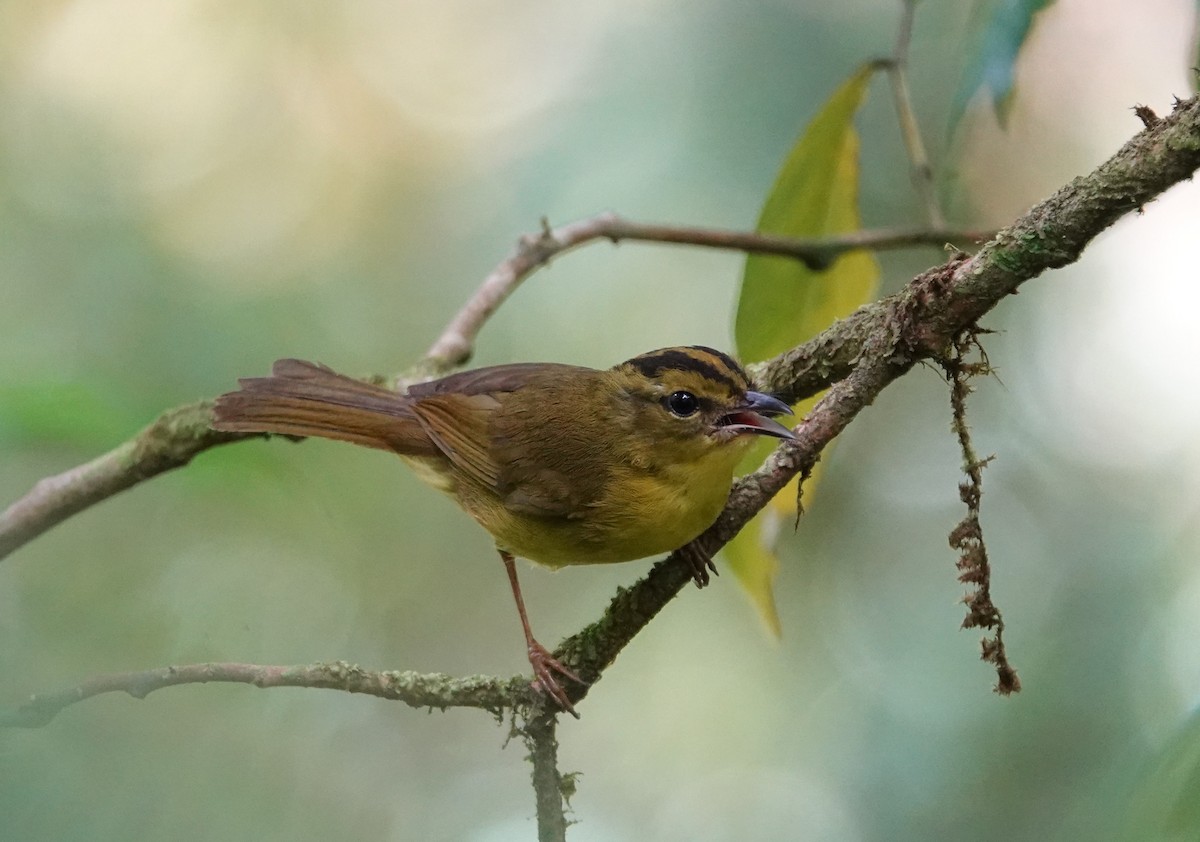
<point x="701" y="562"/>
<point x="545" y="666"/>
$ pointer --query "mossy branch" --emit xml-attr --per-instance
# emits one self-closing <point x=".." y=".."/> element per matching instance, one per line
<point x="419" y="690"/>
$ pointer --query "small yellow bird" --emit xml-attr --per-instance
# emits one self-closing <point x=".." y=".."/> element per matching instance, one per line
<point x="561" y="464"/>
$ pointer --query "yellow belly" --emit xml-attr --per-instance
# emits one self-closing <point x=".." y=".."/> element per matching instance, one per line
<point x="641" y="513"/>
<point x="652" y="514"/>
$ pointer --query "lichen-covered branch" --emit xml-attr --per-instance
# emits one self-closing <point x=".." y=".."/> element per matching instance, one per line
<point x="551" y="788"/>
<point x="418" y="690"/>
<point x="939" y="303"/>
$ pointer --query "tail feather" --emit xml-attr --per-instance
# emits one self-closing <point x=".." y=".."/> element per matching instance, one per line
<point x="306" y="399"/>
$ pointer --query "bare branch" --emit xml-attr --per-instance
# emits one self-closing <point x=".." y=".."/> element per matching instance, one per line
<point x="414" y="689"/>
<point x="170" y="442"/>
<point x="455" y="345"/>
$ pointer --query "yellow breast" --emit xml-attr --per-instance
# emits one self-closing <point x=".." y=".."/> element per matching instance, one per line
<point x="642" y="513"/>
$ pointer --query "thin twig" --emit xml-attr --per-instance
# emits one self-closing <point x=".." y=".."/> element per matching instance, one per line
<point x="456" y="343"/>
<point x="919" y="166"/>
<point x="419" y="690"/>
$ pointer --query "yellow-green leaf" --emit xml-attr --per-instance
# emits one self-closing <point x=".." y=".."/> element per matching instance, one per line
<point x="783" y="302"/>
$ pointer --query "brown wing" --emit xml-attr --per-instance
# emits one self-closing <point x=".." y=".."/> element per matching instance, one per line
<point x="553" y="460"/>
<point x="534" y="451"/>
<point x="456" y="412"/>
<point x="458" y="425"/>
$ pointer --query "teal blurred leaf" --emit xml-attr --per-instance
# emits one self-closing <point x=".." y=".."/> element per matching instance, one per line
<point x="1003" y="27"/>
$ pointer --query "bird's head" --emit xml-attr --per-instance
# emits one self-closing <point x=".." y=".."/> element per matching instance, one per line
<point x="697" y="400"/>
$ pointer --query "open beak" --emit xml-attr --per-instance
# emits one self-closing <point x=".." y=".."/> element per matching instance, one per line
<point x="753" y="416"/>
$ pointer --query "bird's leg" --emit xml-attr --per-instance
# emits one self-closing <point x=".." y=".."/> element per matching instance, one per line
<point x="544" y="664"/>
<point x="701" y="562"/>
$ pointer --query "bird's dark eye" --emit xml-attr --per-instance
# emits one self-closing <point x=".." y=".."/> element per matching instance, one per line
<point x="682" y="404"/>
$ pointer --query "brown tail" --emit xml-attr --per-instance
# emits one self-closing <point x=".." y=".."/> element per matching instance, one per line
<point x="306" y="399"/>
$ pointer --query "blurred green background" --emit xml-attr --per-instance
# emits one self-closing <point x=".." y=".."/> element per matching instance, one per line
<point x="190" y="190"/>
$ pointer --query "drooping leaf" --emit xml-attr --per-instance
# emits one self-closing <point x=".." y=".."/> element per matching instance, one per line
<point x="783" y="302"/>
<point x="1002" y="28"/>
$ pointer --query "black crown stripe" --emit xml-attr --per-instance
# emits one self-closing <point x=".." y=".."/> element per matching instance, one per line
<point x="707" y="362"/>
